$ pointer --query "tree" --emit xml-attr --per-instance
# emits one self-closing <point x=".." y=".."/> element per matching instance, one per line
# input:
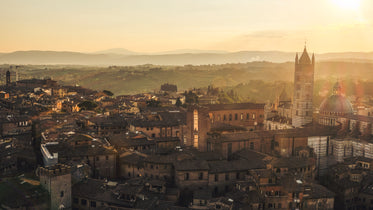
<point x="191" y="98"/>
<point x="153" y="103"/>
<point x="178" y="102"/>
<point x="108" y="92"/>
<point x="87" y="105"/>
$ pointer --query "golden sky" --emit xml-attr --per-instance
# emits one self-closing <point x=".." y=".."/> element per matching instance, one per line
<point x="162" y="25"/>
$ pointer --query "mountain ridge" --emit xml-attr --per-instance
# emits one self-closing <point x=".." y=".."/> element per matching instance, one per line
<point x="204" y="58"/>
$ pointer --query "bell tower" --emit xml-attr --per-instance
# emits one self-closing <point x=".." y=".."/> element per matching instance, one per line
<point x="7" y="75"/>
<point x="303" y="89"/>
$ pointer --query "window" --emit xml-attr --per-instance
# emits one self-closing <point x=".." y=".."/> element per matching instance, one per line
<point x="76" y="200"/>
<point x="107" y="157"/>
<point x="61" y="194"/>
<point x="97" y="158"/>
<point x="241" y="116"/>
<point x="236" y="116"/>
<point x="151" y="166"/>
<point x="247" y="116"/>
<point x="230" y="117"/>
<point x="254" y="116"/>
<point x="93" y="203"/>
<point x="83" y="202"/>
<point x="224" y="118"/>
<point x="200" y="176"/>
<point x="251" y="145"/>
<point x="216" y="177"/>
<point x="238" y="175"/>
<point x="226" y="176"/>
<point x="186" y="176"/>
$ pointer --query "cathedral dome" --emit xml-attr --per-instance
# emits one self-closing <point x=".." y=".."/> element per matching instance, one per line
<point x="336" y="104"/>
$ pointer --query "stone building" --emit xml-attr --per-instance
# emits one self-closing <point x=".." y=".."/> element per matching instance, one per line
<point x="57" y="181"/>
<point x="303" y="89"/>
<point x="248" y="115"/>
<point x="198" y="125"/>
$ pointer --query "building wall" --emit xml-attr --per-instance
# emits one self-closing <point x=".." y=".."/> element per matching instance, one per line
<point x="274" y="125"/>
<point x="198" y="124"/>
<point x="350" y="147"/>
<point x="128" y="170"/>
<point x="243" y="117"/>
<point x="162" y="171"/>
<point x="193" y="182"/>
<point x="104" y="166"/>
<point x="157" y="132"/>
<point x="230" y="147"/>
<point x="286" y="145"/>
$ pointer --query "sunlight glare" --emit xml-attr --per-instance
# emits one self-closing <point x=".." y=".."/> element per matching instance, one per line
<point x="347" y="4"/>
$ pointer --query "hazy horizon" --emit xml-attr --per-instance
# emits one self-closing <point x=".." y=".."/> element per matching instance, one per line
<point x="165" y="25"/>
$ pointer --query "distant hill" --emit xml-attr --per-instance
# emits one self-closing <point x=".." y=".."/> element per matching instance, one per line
<point x="119" y="51"/>
<point x="118" y="56"/>
<point x="193" y="51"/>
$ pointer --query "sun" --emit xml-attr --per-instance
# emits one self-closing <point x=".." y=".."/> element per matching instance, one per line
<point x="347" y="4"/>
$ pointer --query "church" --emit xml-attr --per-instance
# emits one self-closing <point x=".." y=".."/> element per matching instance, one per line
<point x="354" y="131"/>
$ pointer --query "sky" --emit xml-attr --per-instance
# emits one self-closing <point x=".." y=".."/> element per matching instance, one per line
<point x="163" y="25"/>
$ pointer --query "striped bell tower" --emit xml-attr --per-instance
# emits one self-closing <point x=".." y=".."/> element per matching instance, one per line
<point x="303" y="89"/>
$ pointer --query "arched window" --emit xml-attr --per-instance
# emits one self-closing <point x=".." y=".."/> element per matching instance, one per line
<point x="230" y="117"/>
